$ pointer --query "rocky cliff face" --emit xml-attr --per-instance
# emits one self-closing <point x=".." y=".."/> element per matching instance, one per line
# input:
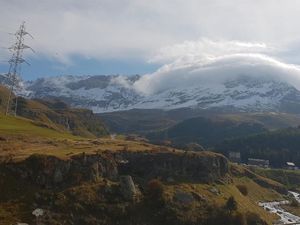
<point x="200" y="167"/>
<point x="72" y="190"/>
<point x="51" y="172"/>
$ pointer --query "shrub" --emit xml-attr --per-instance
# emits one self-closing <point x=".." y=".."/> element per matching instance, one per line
<point x="231" y="204"/>
<point x="155" y="189"/>
<point x="243" y="189"/>
<point x="154" y="193"/>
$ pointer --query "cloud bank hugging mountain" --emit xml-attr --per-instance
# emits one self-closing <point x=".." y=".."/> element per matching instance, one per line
<point x="216" y="62"/>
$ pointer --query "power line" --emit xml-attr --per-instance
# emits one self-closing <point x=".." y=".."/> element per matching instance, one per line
<point x="15" y="63"/>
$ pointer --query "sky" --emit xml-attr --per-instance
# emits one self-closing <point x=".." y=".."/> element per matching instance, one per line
<point x="153" y="38"/>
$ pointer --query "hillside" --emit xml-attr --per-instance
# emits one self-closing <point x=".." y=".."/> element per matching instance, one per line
<point x="270" y="120"/>
<point x="278" y="146"/>
<point x="138" y="121"/>
<point x="21" y="137"/>
<point x="51" y="160"/>
<point x="70" y="190"/>
<point x="142" y="121"/>
<point x="88" y="181"/>
<point x="290" y="178"/>
<point x="206" y="132"/>
<point x="56" y="115"/>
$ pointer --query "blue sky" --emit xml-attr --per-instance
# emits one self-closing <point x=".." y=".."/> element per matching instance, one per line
<point x="43" y="67"/>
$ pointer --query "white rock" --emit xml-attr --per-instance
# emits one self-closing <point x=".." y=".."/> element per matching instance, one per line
<point x="38" y="212"/>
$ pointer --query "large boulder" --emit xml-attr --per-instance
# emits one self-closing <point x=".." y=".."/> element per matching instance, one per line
<point x="127" y="187"/>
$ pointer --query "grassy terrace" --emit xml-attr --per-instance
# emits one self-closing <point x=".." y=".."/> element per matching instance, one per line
<point x="21" y="137"/>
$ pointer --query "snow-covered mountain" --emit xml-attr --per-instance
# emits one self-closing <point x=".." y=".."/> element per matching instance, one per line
<point x="113" y="93"/>
<point x="243" y="82"/>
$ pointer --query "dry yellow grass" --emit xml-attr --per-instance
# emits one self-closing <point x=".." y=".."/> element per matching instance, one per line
<point x="21" y="137"/>
<point x="246" y="204"/>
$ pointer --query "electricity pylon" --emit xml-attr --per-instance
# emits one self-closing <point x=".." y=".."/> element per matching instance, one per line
<point x="15" y="63"/>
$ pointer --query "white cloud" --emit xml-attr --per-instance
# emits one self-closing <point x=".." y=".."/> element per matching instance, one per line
<point x="122" y="81"/>
<point x="138" y="28"/>
<point x="164" y="32"/>
<point x="205" y="48"/>
<point x="209" y="61"/>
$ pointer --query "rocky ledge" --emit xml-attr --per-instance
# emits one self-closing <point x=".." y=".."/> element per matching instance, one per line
<point x="190" y="166"/>
<point x="50" y="171"/>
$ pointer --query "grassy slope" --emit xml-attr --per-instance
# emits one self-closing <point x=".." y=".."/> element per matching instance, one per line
<point x="245" y="203"/>
<point x="25" y="137"/>
<point x="21" y="137"/>
<point x="269" y="120"/>
<point x="57" y="115"/>
<point x="10" y="125"/>
<point x="17" y="203"/>
<point x="290" y="178"/>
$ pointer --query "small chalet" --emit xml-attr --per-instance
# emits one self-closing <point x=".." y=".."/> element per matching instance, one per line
<point x="258" y="162"/>
<point x="290" y="166"/>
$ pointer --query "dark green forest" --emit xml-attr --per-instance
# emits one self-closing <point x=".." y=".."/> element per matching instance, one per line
<point x="277" y="146"/>
<point x="206" y="132"/>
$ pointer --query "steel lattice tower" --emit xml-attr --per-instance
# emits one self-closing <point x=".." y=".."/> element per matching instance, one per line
<point x="15" y="63"/>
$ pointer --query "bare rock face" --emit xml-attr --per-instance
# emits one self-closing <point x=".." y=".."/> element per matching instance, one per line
<point x="127" y="187"/>
<point x="196" y="166"/>
<point x="184" y="198"/>
<point x="58" y="176"/>
<point x="94" y="172"/>
<point x="50" y="171"/>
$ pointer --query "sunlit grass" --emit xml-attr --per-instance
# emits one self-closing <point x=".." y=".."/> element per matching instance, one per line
<point x="10" y="125"/>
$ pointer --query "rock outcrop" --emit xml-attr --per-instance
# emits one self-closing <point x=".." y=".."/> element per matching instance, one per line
<point x="196" y="166"/>
<point x="50" y="171"/>
<point x="128" y="188"/>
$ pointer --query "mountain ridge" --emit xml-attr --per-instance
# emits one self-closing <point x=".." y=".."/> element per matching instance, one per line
<point x="109" y="93"/>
